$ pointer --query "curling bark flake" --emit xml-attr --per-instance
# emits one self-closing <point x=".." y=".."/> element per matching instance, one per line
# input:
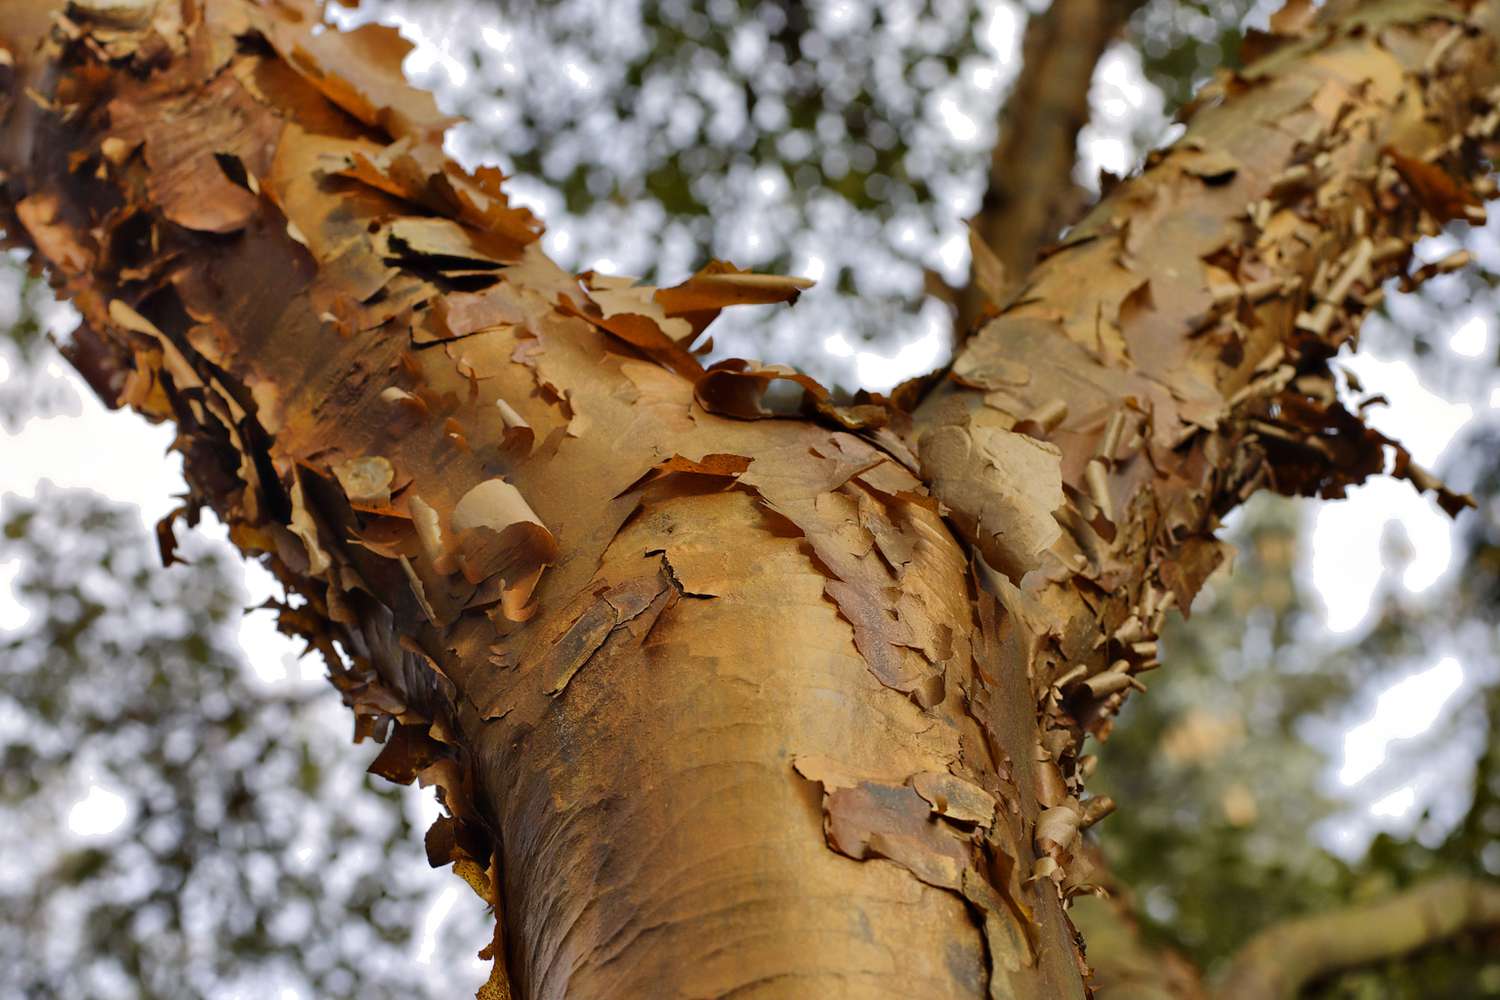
<point x="719" y="704"/>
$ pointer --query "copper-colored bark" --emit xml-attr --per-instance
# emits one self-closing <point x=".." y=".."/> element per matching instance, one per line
<point x="719" y="705"/>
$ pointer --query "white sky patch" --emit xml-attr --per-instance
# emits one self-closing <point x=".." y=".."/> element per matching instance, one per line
<point x="881" y="372"/>
<point x="1345" y="563"/>
<point x="1495" y="398"/>
<point x="838" y="345"/>
<point x="428" y="54"/>
<point x="1109" y="153"/>
<point x="1419" y="418"/>
<point x="953" y="253"/>
<point x="839" y="15"/>
<point x="813" y="268"/>
<point x="122" y="457"/>
<point x="495" y="38"/>
<point x="118" y="455"/>
<point x="99" y="813"/>
<point x="958" y="123"/>
<point x="272" y="657"/>
<point x="422" y="806"/>
<point x="1121" y="83"/>
<point x="1001" y="33"/>
<point x="1405" y="709"/>
<point x="1471" y="338"/>
<point x="1123" y="100"/>
<point x="556" y="242"/>
<point x="12" y="613"/>
<point x="1396" y="804"/>
<point x="578" y="75"/>
<point x="432" y="922"/>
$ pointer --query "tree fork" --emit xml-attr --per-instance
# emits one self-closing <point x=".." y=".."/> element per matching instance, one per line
<point x="718" y="704"/>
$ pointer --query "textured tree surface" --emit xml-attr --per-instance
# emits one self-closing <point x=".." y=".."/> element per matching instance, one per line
<point x="729" y="688"/>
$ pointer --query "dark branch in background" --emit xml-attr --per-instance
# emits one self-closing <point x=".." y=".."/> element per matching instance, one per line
<point x="1278" y="962"/>
<point x="1030" y="192"/>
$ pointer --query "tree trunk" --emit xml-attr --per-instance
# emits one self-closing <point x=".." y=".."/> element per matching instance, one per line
<point x="720" y="705"/>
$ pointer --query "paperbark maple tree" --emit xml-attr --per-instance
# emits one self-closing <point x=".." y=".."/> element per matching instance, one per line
<point x="724" y="696"/>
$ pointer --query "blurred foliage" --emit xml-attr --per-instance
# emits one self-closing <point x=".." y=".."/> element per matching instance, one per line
<point x="32" y="383"/>
<point x="843" y="141"/>
<point x="1222" y="771"/>
<point x="1183" y="43"/>
<point x="232" y="866"/>
<point x="1224" y="795"/>
<point x="1217" y="790"/>
<point x="251" y="854"/>
<point x="790" y="137"/>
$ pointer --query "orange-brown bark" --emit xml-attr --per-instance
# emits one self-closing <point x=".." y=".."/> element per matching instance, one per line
<point x="719" y="704"/>
<point x="1172" y="356"/>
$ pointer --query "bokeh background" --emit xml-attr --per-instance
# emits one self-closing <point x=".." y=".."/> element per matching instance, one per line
<point x="181" y="811"/>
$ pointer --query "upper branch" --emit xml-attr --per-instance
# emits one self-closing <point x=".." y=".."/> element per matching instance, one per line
<point x="1030" y="191"/>
<point x="1172" y="354"/>
<point x="1171" y="357"/>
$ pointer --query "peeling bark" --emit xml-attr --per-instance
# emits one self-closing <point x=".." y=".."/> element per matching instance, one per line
<point x="717" y="702"/>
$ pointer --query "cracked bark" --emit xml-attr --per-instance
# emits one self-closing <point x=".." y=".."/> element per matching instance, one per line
<point x="721" y="698"/>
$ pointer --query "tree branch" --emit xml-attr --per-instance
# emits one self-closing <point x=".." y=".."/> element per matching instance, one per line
<point x="1170" y="358"/>
<point x="1279" y="961"/>
<point x="1030" y="191"/>
<point x="716" y="694"/>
